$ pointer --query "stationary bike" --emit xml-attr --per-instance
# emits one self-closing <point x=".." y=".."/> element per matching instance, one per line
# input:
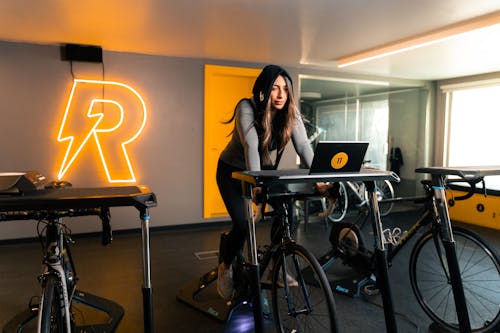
<point x="302" y="300"/>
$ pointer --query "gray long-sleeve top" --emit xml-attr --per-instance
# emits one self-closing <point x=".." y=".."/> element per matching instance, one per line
<point x="242" y="151"/>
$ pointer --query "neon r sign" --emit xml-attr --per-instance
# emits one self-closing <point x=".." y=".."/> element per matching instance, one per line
<point x="111" y="121"/>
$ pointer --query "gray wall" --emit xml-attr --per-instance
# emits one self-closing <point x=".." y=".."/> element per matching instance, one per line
<point x="34" y="88"/>
<point x="409" y="122"/>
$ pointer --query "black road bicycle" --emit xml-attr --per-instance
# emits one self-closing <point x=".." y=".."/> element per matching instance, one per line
<point x="302" y="300"/>
<point x="431" y="274"/>
<point x="58" y="279"/>
<point x="358" y="193"/>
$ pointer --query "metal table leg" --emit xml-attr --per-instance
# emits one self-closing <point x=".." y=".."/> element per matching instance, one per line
<point x="147" y="292"/>
<point x="381" y="257"/>
<point x="253" y="264"/>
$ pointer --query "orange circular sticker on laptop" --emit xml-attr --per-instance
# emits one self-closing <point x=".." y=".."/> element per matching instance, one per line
<point x="339" y="160"/>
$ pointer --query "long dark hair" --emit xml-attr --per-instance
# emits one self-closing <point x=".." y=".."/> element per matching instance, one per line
<point x="276" y="133"/>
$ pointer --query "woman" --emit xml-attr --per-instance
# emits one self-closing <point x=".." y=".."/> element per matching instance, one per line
<point x="264" y="124"/>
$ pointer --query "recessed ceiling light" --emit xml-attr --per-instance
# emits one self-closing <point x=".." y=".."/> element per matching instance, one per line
<point x="310" y="95"/>
<point x="449" y="32"/>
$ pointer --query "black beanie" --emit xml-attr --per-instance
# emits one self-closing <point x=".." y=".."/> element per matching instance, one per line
<point x="264" y="83"/>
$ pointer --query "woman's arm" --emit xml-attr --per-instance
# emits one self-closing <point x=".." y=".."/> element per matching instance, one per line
<point x="245" y="125"/>
<point x="301" y="142"/>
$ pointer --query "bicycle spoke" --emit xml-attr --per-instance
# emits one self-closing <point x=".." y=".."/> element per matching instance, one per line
<point x="480" y="272"/>
<point x="308" y="305"/>
<point x="340" y="206"/>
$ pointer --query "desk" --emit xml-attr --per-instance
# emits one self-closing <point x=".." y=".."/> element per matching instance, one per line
<point x="267" y="178"/>
<point x="140" y="197"/>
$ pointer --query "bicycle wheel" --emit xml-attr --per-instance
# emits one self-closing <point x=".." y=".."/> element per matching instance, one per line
<point x="339" y="209"/>
<point x="305" y="302"/>
<point x="480" y="272"/>
<point x="384" y="190"/>
<point x="51" y="318"/>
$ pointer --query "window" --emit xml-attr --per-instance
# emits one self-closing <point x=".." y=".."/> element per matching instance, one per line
<point x="473" y="124"/>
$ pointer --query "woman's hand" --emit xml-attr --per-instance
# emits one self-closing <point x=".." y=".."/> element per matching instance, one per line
<point x="322" y="187"/>
<point x="257" y="195"/>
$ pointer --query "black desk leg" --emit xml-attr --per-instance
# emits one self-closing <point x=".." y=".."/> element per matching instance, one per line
<point x="381" y="257"/>
<point x="439" y="183"/>
<point x="257" y="300"/>
<point x="385" y="289"/>
<point x="457" y="287"/>
<point x="147" y="292"/>
<point x="253" y="266"/>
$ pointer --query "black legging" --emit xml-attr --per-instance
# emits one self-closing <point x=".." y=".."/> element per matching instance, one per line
<point x="232" y="194"/>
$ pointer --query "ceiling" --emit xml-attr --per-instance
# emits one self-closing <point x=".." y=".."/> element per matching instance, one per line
<point x="299" y="33"/>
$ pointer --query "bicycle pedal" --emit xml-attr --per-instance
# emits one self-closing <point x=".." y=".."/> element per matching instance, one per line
<point x="370" y="290"/>
<point x="34" y="304"/>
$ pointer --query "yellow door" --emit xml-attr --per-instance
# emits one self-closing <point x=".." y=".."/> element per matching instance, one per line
<point x="224" y="87"/>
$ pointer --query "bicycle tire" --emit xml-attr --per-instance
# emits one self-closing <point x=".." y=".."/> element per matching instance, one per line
<point x="384" y="190"/>
<point x="312" y="307"/>
<point x="339" y="209"/>
<point x="480" y="272"/>
<point x="51" y="319"/>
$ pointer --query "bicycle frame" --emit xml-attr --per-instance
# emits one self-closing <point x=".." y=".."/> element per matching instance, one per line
<point x="356" y="188"/>
<point x="54" y="261"/>
<point x="421" y="222"/>
<point x="429" y="216"/>
<point x="384" y="194"/>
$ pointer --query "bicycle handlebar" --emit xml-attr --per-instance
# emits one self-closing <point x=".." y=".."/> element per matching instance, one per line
<point x="46" y="214"/>
<point x="107" y="233"/>
<point x="102" y="212"/>
<point x="472" y="183"/>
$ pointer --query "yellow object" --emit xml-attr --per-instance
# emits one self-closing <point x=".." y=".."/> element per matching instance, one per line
<point x="224" y="87"/>
<point x="339" y="160"/>
<point x="479" y="209"/>
<point x="110" y="124"/>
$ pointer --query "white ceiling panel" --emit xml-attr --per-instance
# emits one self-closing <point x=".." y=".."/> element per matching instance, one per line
<point x="288" y="32"/>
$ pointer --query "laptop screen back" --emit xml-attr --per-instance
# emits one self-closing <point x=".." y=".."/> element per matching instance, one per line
<point x="338" y="156"/>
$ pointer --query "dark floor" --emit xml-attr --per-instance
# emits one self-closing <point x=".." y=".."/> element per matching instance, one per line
<point x="115" y="272"/>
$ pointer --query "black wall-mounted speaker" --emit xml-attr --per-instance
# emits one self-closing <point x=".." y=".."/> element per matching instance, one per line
<point x="76" y="52"/>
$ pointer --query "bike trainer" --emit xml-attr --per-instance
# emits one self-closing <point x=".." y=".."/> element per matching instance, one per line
<point x="201" y="294"/>
<point x="113" y="310"/>
<point x="356" y="282"/>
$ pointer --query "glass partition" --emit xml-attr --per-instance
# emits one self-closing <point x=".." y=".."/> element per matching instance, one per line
<point x="358" y="121"/>
<point x="392" y="118"/>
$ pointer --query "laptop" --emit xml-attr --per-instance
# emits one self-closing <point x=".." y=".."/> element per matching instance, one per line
<point x="338" y="156"/>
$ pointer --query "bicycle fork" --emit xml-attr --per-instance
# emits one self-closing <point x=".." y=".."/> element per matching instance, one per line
<point x="286" y="213"/>
<point x="452" y="268"/>
<point x="292" y="311"/>
<point x="436" y="235"/>
<point x="54" y="265"/>
<point x="57" y="270"/>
